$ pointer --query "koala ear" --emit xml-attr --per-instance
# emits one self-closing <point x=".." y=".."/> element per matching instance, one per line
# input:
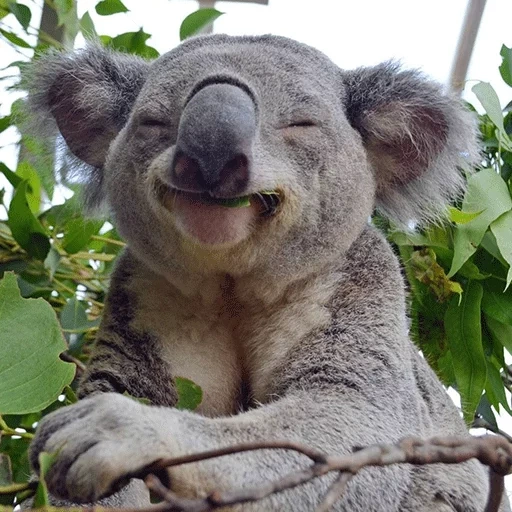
<point x="88" y="94"/>
<point x="417" y="139"/>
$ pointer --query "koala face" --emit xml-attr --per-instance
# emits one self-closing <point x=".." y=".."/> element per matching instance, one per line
<point x="308" y="149"/>
<point x="217" y="121"/>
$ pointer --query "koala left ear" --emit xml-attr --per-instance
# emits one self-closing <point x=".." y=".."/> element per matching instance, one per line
<point x="417" y="139"/>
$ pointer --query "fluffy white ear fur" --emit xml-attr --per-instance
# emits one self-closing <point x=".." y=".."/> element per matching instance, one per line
<point x="418" y="140"/>
<point x="86" y="96"/>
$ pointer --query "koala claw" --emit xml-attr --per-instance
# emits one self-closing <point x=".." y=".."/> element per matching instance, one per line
<point x="95" y="441"/>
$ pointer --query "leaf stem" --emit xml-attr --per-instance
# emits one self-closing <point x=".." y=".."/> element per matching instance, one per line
<point x="8" y="431"/>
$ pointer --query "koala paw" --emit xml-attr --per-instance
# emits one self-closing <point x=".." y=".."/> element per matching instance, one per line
<point x="99" y="441"/>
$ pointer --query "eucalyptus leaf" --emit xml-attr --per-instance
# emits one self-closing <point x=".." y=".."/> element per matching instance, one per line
<point x="73" y="316"/>
<point x="495" y="389"/>
<point x="131" y="42"/>
<point x="52" y="261"/>
<point x="46" y="461"/>
<point x="108" y="7"/>
<point x="502" y="231"/>
<point x="464" y="336"/>
<point x="487" y="193"/>
<point x="25" y="228"/>
<point x="190" y="395"/>
<point x="500" y="332"/>
<point x="31" y="373"/>
<point x="491" y="103"/>
<point x="497" y="303"/>
<point x="506" y="65"/>
<point x="22" y="14"/>
<point x="5" y="122"/>
<point x="11" y="176"/>
<point x="78" y="234"/>
<point x="14" y="39"/>
<point x="460" y="217"/>
<point x="87" y="27"/>
<point x="484" y="410"/>
<point x="197" y="21"/>
<point x="27" y="172"/>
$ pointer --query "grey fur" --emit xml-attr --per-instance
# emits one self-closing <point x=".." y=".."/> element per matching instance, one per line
<point x="298" y="330"/>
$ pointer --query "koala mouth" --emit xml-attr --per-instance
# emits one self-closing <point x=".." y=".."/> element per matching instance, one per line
<point x="217" y="222"/>
<point x="267" y="201"/>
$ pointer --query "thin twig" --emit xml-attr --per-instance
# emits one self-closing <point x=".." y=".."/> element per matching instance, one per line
<point x="479" y="422"/>
<point x="80" y="367"/>
<point x="335" y="492"/>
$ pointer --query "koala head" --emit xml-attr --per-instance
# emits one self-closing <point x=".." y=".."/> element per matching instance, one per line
<point x="252" y="154"/>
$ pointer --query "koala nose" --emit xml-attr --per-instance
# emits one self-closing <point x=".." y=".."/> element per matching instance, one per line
<point x="215" y="142"/>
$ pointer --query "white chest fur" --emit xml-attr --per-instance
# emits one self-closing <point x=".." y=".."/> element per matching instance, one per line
<point x="228" y="333"/>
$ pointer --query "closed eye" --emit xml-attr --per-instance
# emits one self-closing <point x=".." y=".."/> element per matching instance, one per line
<point x="150" y="122"/>
<point x="301" y="124"/>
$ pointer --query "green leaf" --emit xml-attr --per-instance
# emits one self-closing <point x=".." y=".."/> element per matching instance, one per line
<point x="52" y="261"/>
<point x="506" y="65"/>
<point x="484" y="410"/>
<point x="78" y="233"/>
<point x="197" y="21"/>
<point x="491" y="103"/>
<point x="46" y="461"/>
<point x="14" y="39"/>
<point x="73" y="316"/>
<point x="22" y="13"/>
<point x="497" y="303"/>
<point x="487" y="193"/>
<point x="108" y="7"/>
<point x="500" y="332"/>
<point x="495" y="389"/>
<point x="234" y="202"/>
<point x="87" y="27"/>
<point x="502" y="231"/>
<point x="131" y="42"/>
<point x="12" y="177"/>
<point x="25" y="228"/>
<point x="5" y="122"/>
<point x="70" y="395"/>
<point x="464" y="336"/>
<point x="460" y="217"/>
<point x="31" y="373"/>
<point x="490" y="245"/>
<point x="27" y="172"/>
<point x="190" y="395"/>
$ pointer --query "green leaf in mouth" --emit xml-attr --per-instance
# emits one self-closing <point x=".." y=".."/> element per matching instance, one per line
<point x="244" y="201"/>
<point x="234" y="202"/>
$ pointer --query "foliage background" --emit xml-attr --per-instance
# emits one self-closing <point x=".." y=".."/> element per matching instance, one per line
<point x="459" y="273"/>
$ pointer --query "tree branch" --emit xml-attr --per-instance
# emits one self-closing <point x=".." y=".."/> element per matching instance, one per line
<point x="493" y="451"/>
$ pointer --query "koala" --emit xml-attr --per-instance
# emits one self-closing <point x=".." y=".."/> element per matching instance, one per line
<point x="242" y="173"/>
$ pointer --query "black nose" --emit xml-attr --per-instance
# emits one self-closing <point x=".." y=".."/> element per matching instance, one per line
<point x="215" y="138"/>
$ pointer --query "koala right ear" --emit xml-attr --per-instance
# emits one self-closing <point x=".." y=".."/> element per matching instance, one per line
<point x="89" y="94"/>
<point x="417" y="138"/>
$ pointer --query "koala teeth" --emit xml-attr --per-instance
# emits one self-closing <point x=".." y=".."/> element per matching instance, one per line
<point x="270" y="202"/>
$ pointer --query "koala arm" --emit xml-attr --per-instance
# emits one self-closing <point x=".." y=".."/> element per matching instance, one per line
<point x="348" y="385"/>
